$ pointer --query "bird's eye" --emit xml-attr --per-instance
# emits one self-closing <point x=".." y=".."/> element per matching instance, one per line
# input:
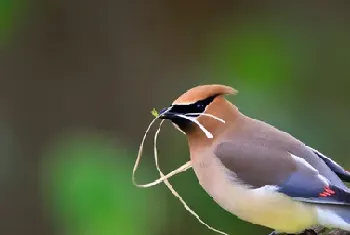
<point x="200" y="106"/>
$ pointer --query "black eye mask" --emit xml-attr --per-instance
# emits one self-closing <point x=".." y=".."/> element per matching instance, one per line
<point x="198" y="107"/>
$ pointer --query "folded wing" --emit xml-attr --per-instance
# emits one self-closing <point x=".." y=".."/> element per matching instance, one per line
<point x="261" y="165"/>
<point x="335" y="167"/>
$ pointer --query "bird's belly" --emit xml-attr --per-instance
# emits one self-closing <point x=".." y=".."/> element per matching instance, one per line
<point x="262" y="206"/>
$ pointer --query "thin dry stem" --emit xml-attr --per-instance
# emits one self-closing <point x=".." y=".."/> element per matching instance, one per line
<point x="173" y="191"/>
<point x="164" y="178"/>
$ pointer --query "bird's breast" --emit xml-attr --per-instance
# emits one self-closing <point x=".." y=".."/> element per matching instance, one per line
<point x="263" y="206"/>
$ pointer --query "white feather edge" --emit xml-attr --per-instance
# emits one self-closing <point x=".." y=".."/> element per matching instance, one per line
<point x="305" y="163"/>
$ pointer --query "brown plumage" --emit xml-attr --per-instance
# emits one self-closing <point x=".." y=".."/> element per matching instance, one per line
<point x="255" y="171"/>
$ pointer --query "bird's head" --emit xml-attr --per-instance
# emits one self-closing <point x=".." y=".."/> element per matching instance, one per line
<point x="196" y="104"/>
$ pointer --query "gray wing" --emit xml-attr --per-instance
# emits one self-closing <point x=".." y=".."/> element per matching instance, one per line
<point x="259" y="165"/>
<point x="255" y="165"/>
<point x="325" y="166"/>
<point x="335" y="167"/>
<point x="257" y="135"/>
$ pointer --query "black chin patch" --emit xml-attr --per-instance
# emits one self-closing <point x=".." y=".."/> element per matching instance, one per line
<point x="184" y="124"/>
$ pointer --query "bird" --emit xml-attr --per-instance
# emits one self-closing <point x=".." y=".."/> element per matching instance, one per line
<point x="255" y="171"/>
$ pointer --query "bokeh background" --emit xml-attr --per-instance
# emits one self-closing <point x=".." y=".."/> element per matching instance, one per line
<point x="78" y="80"/>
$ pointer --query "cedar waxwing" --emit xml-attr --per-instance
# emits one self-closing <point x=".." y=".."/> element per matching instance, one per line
<point x="255" y="171"/>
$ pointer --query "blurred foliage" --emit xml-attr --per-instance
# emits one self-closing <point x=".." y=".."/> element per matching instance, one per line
<point x="8" y="12"/>
<point x="8" y="150"/>
<point x="254" y="54"/>
<point x="89" y="182"/>
<point x="257" y="59"/>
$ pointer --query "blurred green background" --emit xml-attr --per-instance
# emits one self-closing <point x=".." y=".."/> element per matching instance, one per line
<point x="78" y="81"/>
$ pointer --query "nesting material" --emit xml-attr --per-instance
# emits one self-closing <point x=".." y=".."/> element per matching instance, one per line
<point x="164" y="178"/>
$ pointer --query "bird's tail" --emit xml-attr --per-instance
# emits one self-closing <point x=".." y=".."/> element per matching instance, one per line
<point x="334" y="216"/>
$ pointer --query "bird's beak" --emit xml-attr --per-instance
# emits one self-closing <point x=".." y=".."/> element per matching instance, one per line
<point x="166" y="113"/>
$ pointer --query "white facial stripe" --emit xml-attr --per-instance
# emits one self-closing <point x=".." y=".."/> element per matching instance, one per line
<point x="194" y="119"/>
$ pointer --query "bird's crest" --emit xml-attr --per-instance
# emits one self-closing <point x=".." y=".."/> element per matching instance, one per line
<point x="204" y="91"/>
